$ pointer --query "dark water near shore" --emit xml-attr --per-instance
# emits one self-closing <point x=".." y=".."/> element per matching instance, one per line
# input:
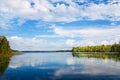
<point x="61" y="66"/>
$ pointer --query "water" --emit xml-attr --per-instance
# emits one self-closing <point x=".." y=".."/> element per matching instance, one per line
<point x="60" y="66"/>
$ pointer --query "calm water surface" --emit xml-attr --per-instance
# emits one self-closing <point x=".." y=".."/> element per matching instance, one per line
<point x="60" y="66"/>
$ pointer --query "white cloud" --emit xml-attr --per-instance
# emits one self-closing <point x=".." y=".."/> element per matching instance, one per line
<point x="70" y="42"/>
<point x="68" y="38"/>
<point x="5" y="20"/>
<point x="21" y="43"/>
<point x="46" y="11"/>
<point x="88" y="32"/>
<point x="49" y="36"/>
<point x="89" y="36"/>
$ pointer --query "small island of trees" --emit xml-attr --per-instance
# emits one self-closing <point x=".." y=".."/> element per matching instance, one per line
<point x="99" y="48"/>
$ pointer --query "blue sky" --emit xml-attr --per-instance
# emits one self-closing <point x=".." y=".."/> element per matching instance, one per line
<point x="59" y="24"/>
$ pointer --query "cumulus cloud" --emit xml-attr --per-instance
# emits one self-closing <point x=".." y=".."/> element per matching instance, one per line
<point x="88" y="32"/>
<point x="21" y="43"/>
<point x="5" y="20"/>
<point x="61" y="12"/>
<point x="49" y="36"/>
<point x="70" y="42"/>
<point x="25" y="43"/>
<point x="90" y="36"/>
<point x="67" y="38"/>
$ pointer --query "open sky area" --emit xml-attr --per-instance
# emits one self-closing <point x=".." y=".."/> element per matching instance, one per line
<point x="59" y="24"/>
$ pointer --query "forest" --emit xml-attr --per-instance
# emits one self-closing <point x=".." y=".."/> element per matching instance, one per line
<point x="5" y="54"/>
<point x="4" y="45"/>
<point x="99" y="48"/>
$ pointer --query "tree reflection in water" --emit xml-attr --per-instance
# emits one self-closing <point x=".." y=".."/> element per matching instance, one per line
<point x="4" y="62"/>
<point x="113" y="56"/>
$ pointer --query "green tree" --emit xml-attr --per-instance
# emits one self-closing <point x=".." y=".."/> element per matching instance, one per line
<point x="99" y="48"/>
<point x="4" y="45"/>
<point x="115" y="47"/>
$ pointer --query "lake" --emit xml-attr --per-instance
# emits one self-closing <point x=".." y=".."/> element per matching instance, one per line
<point x="60" y="66"/>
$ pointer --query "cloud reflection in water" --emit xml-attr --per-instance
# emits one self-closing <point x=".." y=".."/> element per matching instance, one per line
<point x="60" y="65"/>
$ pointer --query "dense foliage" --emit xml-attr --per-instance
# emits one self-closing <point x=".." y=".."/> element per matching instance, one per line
<point x="100" y="48"/>
<point x="4" y="45"/>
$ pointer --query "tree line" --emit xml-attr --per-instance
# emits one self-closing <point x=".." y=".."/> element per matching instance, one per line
<point x="99" y="48"/>
<point x="4" y="45"/>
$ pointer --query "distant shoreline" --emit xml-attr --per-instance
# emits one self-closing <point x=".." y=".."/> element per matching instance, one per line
<point x="45" y="51"/>
<point x="68" y="51"/>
